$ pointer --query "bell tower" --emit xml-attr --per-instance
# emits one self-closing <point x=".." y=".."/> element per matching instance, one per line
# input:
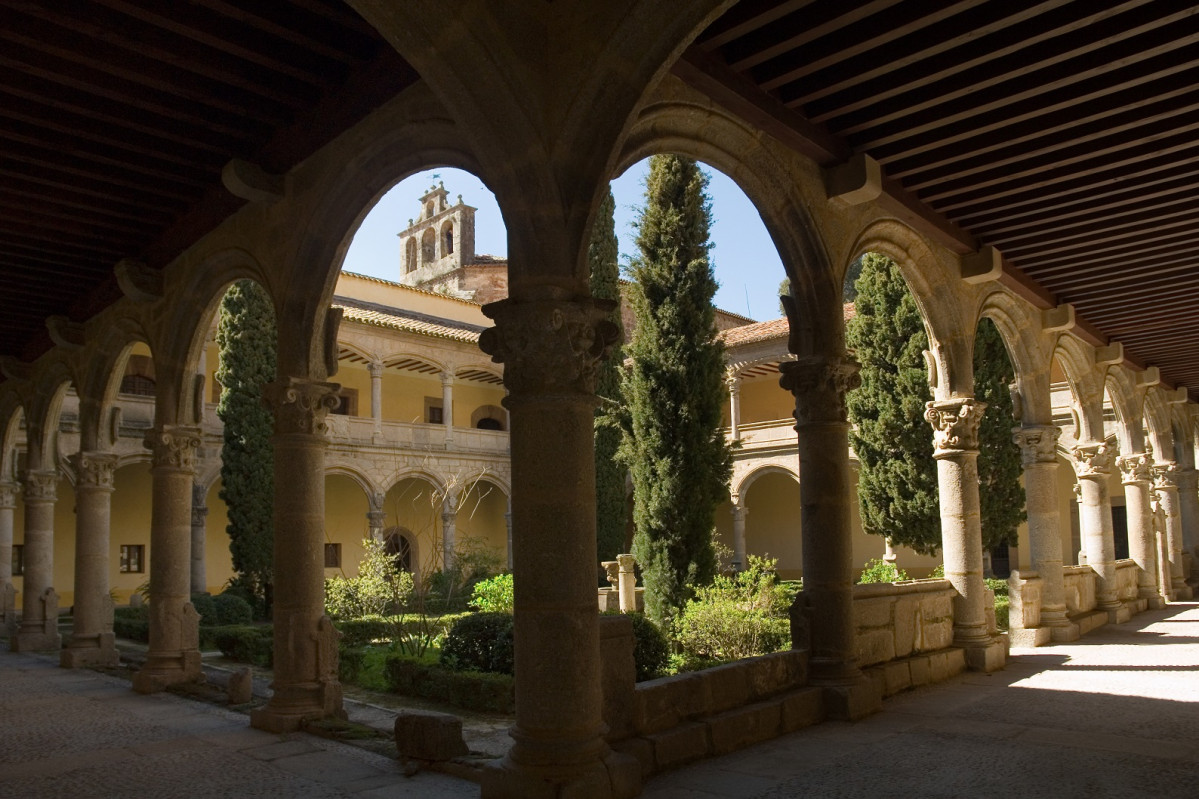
<point x="438" y="242"/>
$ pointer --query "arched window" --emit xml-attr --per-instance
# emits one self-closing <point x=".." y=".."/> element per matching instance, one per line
<point x="447" y="238"/>
<point x="428" y="209"/>
<point x="399" y="546"/>
<point x="410" y="255"/>
<point x="137" y="385"/>
<point x="428" y="247"/>
<point x="488" y="423"/>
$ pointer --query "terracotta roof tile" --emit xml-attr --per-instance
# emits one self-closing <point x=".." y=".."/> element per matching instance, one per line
<point x="758" y="331"/>
<point x="396" y="319"/>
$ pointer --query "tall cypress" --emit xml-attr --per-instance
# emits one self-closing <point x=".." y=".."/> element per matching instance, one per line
<point x="602" y="255"/>
<point x="897" y="479"/>
<point x="674" y="446"/>
<point x="246" y="338"/>
<point x="1001" y="497"/>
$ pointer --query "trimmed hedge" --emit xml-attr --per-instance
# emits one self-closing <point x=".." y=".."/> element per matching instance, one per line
<point x="651" y="650"/>
<point x="480" y="642"/>
<point x="471" y="690"/>
<point x="246" y="643"/>
<point x="222" y="610"/>
<point x="369" y="629"/>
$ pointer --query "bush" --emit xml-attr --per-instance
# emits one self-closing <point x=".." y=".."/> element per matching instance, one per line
<point x="380" y="588"/>
<point x="738" y="616"/>
<point x="473" y="690"/>
<point x="493" y="595"/>
<point x="206" y="608"/>
<point x="350" y="662"/>
<point x="480" y="642"/>
<point x="132" y="623"/>
<point x="651" y="649"/>
<point x="880" y="571"/>
<point x="232" y="609"/>
<point x="246" y="643"/>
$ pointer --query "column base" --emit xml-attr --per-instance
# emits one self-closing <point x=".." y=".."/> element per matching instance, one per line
<point x="1117" y="615"/>
<point x="1183" y="593"/>
<point x="95" y="651"/>
<point x="1064" y="633"/>
<point x="616" y="776"/>
<point x="852" y="702"/>
<point x="985" y="656"/>
<point x="162" y="671"/>
<point x="832" y="672"/>
<point x="290" y="708"/>
<point x="1030" y="637"/>
<point x="35" y="641"/>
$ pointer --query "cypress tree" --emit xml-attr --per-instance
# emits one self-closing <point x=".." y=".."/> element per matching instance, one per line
<point x="897" y="480"/>
<point x="674" y="446"/>
<point x="1001" y="497"/>
<point x="246" y="338"/>
<point x="602" y="254"/>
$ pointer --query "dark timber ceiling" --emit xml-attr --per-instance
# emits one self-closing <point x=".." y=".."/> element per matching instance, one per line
<point x="1063" y="133"/>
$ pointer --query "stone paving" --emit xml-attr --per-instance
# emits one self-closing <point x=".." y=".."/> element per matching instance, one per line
<point x="1114" y="715"/>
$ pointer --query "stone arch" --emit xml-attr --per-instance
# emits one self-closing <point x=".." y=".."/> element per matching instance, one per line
<point x="428" y="247"/>
<point x="488" y="417"/>
<point x="12" y="412"/>
<point x="686" y="123"/>
<point x="396" y="357"/>
<point x="1184" y="440"/>
<point x="55" y="374"/>
<point x="1020" y="326"/>
<point x="1129" y="410"/>
<point x="1086" y="386"/>
<point x="1157" y="422"/>
<point x="752" y="477"/>
<point x="404" y="547"/>
<point x="447" y="238"/>
<point x="356" y="476"/>
<point x="105" y="365"/>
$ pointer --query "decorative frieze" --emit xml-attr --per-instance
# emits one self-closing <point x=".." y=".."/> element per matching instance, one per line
<point x="819" y="386"/>
<point x="95" y="469"/>
<point x="550" y="346"/>
<point x="40" y="486"/>
<point x="1136" y="468"/>
<point x="955" y="424"/>
<point x="1093" y="460"/>
<point x="173" y="447"/>
<point x="1038" y="444"/>
<point x="301" y="406"/>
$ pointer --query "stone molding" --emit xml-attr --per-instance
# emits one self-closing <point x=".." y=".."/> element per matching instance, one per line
<point x="1038" y="443"/>
<point x="95" y="469"/>
<point x="1093" y="460"/>
<point x="300" y="406"/>
<point x="1135" y="469"/>
<point x="8" y="495"/>
<point x="955" y="425"/>
<point x="819" y="385"/>
<point x="173" y="447"/>
<point x="40" y="486"/>
<point x="550" y="346"/>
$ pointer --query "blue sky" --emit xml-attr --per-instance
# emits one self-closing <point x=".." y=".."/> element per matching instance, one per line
<point x="747" y="265"/>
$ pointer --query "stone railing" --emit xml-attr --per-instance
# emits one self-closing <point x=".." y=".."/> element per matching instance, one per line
<point x="773" y="433"/>
<point x="1126" y="580"/>
<point x="895" y="620"/>
<point x="1078" y="584"/>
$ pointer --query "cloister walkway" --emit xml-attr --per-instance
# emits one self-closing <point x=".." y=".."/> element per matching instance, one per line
<point x="1114" y="715"/>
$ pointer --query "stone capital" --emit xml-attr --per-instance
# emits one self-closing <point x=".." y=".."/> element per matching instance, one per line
<point x="375" y="369"/>
<point x="1093" y="460"/>
<point x="301" y="406"/>
<point x="819" y="385"/>
<point x="549" y="346"/>
<point x="1165" y="476"/>
<point x="955" y="425"/>
<point x="375" y="519"/>
<point x="40" y="486"/>
<point x="8" y="495"/>
<point x="95" y="469"/>
<point x="199" y="515"/>
<point x="732" y="381"/>
<point x="1038" y="443"/>
<point x="1136" y="468"/>
<point x="173" y="447"/>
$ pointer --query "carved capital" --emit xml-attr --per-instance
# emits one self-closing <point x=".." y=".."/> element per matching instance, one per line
<point x="1135" y="468"/>
<point x="173" y="447"/>
<point x="8" y="495"/>
<point x="732" y="381"/>
<point x="375" y="519"/>
<point x="95" y="469"/>
<point x="301" y="406"/>
<point x="819" y="385"/>
<point x="1093" y="460"/>
<point x="199" y="515"/>
<point x="40" y="486"/>
<point x="375" y="369"/>
<point x="1165" y="476"/>
<point x="955" y="425"/>
<point x="1038" y="444"/>
<point x="550" y="346"/>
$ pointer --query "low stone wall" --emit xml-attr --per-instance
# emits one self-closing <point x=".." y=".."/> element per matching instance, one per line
<point x="897" y="620"/>
<point x="1078" y="583"/>
<point x="1126" y="580"/>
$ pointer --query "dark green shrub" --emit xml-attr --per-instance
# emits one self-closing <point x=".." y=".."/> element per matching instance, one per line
<point x="651" y="649"/>
<point x="350" y="661"/>
<point x="366" y="630"/>
<point x="232" y="609"/>
<point x="472" y="690"/>
<point x="480" y="642"/>
<point x="206" y="608"/>
<point x="736" y="617"/>
<point x="132" y="623"/>
<point x="881" y="571"/>
<point x="246" y="643"/>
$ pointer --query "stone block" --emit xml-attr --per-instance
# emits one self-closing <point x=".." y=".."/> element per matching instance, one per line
<point x="739" y="728"/>
<point x="802" y="708"/>
<point x="725" y="687"/>
<point x="920" y="670"/>
<point x="660" y="704"/>
<point x="642" y="750"/>
<point x="769" y="674"/>
<point x="240" y="688"/>
<point x="681" y="744"/>
<point x="1064" y="634"/>
<point x="955" y="661"/>
<point x="428" y="735"/>
<point x="939" y="665"/>
<point x="1029" y="637"/>
<point x="987" y="657"/>
<point x="853" y="702"/>
<point x="1118" y="615"/>
<point x="908" y="625"/>
<point x="875" y="646"/>
<point x="897" y="676"/>
<point x="872" y="612"/>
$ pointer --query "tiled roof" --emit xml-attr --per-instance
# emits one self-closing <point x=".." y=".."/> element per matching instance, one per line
<point x="405" y="287"/>
<point x="758" y="331"/>
<point x="396" y="319"/>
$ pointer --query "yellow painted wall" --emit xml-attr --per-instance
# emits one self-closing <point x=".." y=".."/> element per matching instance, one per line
<point x="129" y="525"/>
<point x="413" y="505"/>
<point x="772" y="525"/>
<point x="468" y="396"/>
<point x="354" y="376"/>
<point x="345" y="522"/>
<point x="480" y="521"/>
<point x="404" y="395"/>
<point x="762" y="400"/>
<point x="218" y="562"/>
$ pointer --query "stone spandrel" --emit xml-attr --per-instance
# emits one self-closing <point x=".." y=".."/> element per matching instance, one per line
<point x="955" y="424"/>
<point x="820" y="386"/>
<point x="550" y="346"/>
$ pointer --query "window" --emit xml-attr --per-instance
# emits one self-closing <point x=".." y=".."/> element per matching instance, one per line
<point x="487" y="423"/>
<point x="332" y="556"/>
<point x="433" y="411"/>
<point x="347" y="402"/>
<point x="18" y="560"/>
<point x="400" y="548"/>
<point x="428" y="247"/>
<point x="133" y="558"/>
<point x="137" y="385"/>
<point x="447" y="239"/>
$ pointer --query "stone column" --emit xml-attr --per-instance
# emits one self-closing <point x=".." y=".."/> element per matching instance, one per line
<point x="551" y="349"/>
<point x="174" y="653"/>
<point x="92" y="642"/>
<point x="955" y="448"/>
<point x="376" y="372"/>
<point x="376" y="516"/>
<point x="819" y="385"/>
<point x="37" y="631"/>
<point x="739" y="513"/>
<point x="449" y="518"/>
<point x="1188" y="502"/>
<point x="508" y="528"/>
<point x="733" y="381"/>
<point x="447" y="407"/>
<point x="199" y="571"/>
<point x="305" y="684"/>
<point x="1136" y="477"/>
<point x="1166" y="486"/>
<point x="8" y="504"/>
<point x="1093" y="464"/>
<point x="1038" y="455"/>
<point x="626" y="583"/>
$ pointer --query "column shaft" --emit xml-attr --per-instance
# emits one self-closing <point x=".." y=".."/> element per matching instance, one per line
<point x="1093" y="464"/>
<point x="447" y="407"/>
<point x="739" y="512"/>
<point x="376" y="373"/>
<point x="37" y="632"/>
<point x="8" y="504"/>
<point x="733" y="381"/>
<point x="305" y="684"/>
<point x="1038" y="448"/>
<point x="1136" y="477"/>
<point x="1166" y="486"/>
<point x="199" y="571"/>
<point x="92" y="642"/>
<point x="1188" y="504"/>
<point x="174" y="653"/>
